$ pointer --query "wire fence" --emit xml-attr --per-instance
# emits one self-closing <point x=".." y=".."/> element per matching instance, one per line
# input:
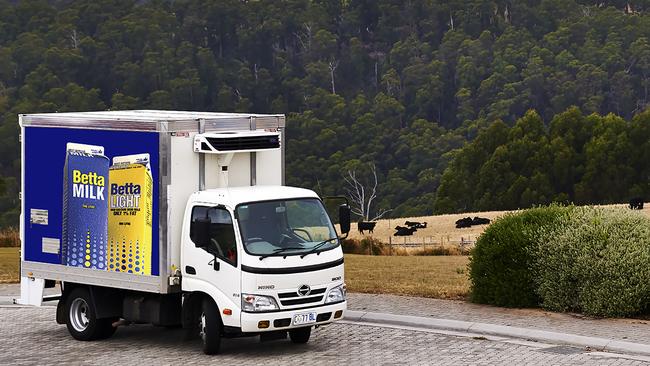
<point x="427" y="241"/>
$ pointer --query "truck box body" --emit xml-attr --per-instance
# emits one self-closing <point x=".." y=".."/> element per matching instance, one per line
<point x="66" y="228"/>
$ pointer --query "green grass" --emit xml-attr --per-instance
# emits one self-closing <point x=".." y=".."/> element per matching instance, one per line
<point x="9" y="264"/>
<point x="443" y="277"/>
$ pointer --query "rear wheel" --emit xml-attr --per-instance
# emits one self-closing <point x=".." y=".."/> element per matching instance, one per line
<point x="81" y="320"/>
<point x="300" y="335"/>
<point x="210" y="327"/>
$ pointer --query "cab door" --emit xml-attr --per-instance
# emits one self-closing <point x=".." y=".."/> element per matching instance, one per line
<point x="213" y="269"/>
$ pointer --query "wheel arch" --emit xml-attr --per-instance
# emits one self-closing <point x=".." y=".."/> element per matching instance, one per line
<point x="106" y="301"/>
<point x="197" y="286"/>
<point x="192" y="306"/>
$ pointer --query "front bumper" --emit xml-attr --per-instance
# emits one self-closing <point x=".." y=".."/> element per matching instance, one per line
<point x="282" y="320"/>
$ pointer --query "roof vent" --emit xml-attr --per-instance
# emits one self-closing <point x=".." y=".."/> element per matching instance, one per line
<point x="232" y="142"/>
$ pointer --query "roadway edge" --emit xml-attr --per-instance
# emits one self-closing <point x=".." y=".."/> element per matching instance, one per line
<point x="600" y="344"/>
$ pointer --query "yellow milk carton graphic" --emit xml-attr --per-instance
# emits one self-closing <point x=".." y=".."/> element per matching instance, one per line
<point x="130" y="207"/>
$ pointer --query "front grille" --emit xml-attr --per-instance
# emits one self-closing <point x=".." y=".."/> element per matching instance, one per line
<point x="302" y="300"/>
<point x="244" y="143"/>
<point x="286" y="295"/>
<point x="292" y="298"/>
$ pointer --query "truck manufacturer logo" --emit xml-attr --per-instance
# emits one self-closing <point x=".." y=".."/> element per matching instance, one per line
<point x="304" y="290"/>
<point x="266" y="287"/>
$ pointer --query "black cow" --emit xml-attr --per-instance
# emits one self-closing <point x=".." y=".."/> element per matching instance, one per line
<point x="415" y="224"/>
<point x="465" y="222"/>
<point x="404" y="231"/>
<point x="366" y="226"/>
<point x="480" y="221"/>
<point x="636" y="203"/>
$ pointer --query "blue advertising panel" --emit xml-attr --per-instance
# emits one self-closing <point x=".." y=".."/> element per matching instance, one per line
<point x="90" y="199"/>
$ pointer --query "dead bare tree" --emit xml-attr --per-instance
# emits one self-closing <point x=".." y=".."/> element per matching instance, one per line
<point x="332" y="66"/>
<point x="305" y="37"/>
<point x="362" y="196"/>
<point x="74" y="39"/>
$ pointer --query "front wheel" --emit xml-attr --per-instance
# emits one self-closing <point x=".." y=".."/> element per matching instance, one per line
<point x="81" y="320"/>
<point x="210" y="327"/>
<point x="300" y="335"/>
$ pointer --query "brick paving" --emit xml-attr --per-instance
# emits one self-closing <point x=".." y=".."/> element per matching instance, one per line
<point x="631" y="330"/>
<point x="30" y="336"/>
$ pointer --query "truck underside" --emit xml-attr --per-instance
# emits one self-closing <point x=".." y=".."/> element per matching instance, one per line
<point x="95" y="312"/>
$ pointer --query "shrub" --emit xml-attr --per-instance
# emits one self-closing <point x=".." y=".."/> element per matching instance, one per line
<point x="499" y="267"/>
<point x="367" y="245"/>
<point x="596" y="262"/>
<point x="373" y="246"/>
<point x="9" y="237"/>
<point x="440" y="251"/>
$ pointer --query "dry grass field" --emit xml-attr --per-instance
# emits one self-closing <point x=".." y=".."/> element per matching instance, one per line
<point x="443" y="277"/>
<point x="441" y="229"/>
<point x="428" y="276"/>
<point x="9" y="264"/>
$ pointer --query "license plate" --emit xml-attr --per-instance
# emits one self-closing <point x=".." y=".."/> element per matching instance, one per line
<point x="304" y="318"/>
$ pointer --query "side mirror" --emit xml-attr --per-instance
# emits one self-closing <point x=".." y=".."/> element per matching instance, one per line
<point x="344" y="218"/>
<point x="200" y="232"/>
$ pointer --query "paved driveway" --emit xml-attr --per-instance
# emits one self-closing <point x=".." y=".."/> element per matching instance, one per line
<point x="31" y="336"/>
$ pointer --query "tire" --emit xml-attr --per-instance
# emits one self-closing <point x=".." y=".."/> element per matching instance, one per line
<point x="81" y="320"/>
<point x="300" y="335"/>
<point x="210" y="327"/>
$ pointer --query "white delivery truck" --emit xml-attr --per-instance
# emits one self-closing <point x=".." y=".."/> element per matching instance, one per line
<point x="175" y="218"/>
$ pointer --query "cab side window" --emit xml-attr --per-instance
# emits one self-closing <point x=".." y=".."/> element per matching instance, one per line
<point x="222" y="235"/>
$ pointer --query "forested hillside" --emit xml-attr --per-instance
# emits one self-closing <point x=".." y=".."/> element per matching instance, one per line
<point x="406" y="86"/>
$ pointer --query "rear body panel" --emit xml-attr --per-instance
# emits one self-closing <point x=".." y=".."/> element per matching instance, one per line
<point x="167" y="136"/>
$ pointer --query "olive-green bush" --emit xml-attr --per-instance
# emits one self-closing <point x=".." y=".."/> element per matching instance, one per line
<point x="597" y="262"/>
<point x="500" y="264"/>
<point x="368" y="245"/>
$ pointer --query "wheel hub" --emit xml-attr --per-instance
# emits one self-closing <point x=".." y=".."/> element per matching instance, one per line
<point x="202" y="327"/>
<point x="79" y="314"/>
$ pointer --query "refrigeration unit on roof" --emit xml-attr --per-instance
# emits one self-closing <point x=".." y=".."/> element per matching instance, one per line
<point x="232" y="142"/>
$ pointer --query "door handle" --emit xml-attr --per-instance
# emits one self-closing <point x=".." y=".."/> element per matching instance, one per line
<point x="190" y="270"/>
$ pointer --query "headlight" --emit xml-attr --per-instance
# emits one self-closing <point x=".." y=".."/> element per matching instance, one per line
<point x="255" y="303"/>
<point x="336" y="294"/>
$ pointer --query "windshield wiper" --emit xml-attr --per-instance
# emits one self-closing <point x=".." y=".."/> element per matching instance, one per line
<point x="315" y="248"/>
<point x="279" y="250"/>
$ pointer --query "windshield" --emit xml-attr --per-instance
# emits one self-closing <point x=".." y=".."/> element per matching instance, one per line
<point x="285" y="227"/>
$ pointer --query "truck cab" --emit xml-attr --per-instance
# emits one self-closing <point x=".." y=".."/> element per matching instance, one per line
<point x="268" y="257"/>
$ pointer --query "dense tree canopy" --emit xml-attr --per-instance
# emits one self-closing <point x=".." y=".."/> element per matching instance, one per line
<point x="578" y="158"/>
<point x="408" y="86"/>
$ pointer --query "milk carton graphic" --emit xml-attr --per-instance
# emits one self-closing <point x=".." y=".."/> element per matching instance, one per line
<point x="85" y="206"/>
<point x="130" y="214"/>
